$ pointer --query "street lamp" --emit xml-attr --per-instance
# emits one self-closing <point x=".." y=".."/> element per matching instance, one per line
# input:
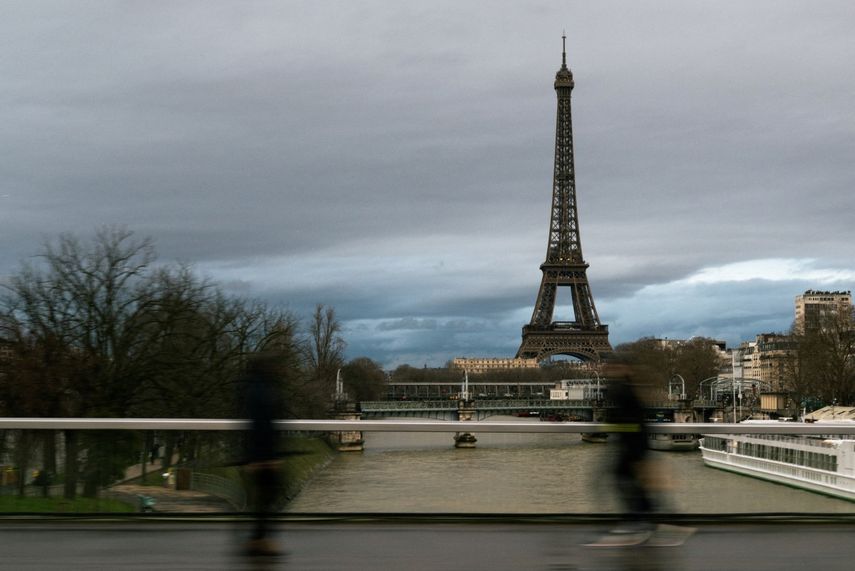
<point x="733" y="396"/>
<point x="464" y="392"/>
<point x="599" y="395"/>
<point x="682" y="386"/>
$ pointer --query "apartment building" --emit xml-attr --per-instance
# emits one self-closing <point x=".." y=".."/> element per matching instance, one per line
<point x="812" y="306"/>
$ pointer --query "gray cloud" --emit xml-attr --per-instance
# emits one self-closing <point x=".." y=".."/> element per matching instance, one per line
<point x="407" y="323"/>
<point x="395" y="161"/>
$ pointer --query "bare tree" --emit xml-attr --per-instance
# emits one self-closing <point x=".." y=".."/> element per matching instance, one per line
<point x="822" y="369"/>
<point x="324" y="355"/>
<point x="95" y="328"/>
<point x="364" y="379"/>
<point x="694" y="360"/>
<point x="73" y="318"/>
<point x="649" y="355"/>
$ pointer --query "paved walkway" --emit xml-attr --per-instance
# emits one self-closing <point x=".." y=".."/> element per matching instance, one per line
<point x="134" y="545"/>
<point x="154" y="470"/>
<point x="167" y="499"/>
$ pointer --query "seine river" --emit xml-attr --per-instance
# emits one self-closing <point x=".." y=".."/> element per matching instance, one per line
<point x="527" y="473"/>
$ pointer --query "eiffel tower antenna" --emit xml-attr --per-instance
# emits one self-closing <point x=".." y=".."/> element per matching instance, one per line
<point x="583" y="336"/>
<point x="564" y="48"/>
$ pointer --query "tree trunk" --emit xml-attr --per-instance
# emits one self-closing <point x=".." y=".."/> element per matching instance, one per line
<point x="148" y="444"/>
<point x="90" y="485"/>
<point x="168" y="451"/>
<point x="22" y="458"/>
<point x="71" y="464"/>
<point x="49" y="452"/>
<point x="48" y="471"/>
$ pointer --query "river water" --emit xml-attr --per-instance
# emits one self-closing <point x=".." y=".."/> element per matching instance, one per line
<point x="528" y="473"/>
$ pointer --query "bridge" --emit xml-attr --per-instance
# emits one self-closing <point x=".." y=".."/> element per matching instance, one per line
<point x="480" y="409"/>
<point x="450" y="409"/>
<point x="478" y="389"/>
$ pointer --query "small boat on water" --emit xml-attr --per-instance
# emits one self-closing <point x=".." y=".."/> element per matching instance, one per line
<point x="679" y="442"/>
<point x="595" y="437"/>
<point x="823" y="464"/>
<point x="464" y="440"/>
<point x="672" y="442"/>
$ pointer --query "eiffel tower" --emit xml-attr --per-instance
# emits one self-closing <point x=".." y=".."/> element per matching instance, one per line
<point x="584" y="336"/>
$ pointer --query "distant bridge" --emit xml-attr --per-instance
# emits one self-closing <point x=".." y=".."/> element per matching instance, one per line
<point x="447" y="409"/>
<point x="480" y="389"/>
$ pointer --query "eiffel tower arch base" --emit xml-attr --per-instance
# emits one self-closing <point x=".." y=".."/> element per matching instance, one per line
<point x="584" y="345"/>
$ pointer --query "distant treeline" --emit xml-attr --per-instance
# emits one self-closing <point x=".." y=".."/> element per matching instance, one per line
<point x="99" y="328"/>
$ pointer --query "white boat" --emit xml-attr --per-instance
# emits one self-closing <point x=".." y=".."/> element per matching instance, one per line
<point x="678" y="442"/>
<point x="672" y="442"/>
<point x="822" y="464"/>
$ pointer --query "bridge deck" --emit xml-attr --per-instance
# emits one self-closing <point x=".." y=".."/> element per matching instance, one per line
<point x="417" y="546"/>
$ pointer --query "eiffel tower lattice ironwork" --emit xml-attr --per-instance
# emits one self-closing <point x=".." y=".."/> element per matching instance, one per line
<point x="584" y="336"/>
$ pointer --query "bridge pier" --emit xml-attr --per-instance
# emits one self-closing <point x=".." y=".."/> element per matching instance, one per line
<point x="598" y="414"/>
<point x="466" y="412"/>
<point x="350" y="441"/>
<point x="685" y="412"/>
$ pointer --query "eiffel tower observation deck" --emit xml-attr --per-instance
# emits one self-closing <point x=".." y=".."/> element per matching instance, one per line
<point x="581" y="335"/>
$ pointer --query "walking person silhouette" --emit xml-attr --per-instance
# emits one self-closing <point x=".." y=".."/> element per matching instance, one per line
<point x="263" y="404"/>
<point x="634" y="472"/>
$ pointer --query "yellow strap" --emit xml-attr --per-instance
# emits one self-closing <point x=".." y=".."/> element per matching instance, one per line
<point x="630" y="427"/>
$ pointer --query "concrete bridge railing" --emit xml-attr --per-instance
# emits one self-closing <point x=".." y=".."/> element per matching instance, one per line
<point x="186" y="424"/>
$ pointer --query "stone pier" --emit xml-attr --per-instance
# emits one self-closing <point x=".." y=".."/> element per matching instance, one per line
<point x="685" y="413"/>
<point x="352" y="440"/>
<point x="465" y="412"/>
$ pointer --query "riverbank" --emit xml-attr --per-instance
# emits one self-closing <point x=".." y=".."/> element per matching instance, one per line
<point x="225" y="488"/>
<point x="312" y="456"/>
<point x="304" y="457"/>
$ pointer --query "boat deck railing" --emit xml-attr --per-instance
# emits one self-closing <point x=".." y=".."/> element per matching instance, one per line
<point x="817" y="441"/>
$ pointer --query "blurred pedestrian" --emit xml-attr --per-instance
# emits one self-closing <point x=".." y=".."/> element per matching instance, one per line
<point x="636" y="475"/>
<point x="263" y="404"/>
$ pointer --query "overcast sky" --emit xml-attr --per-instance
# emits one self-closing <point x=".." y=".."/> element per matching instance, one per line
<point x="394" y="159"/>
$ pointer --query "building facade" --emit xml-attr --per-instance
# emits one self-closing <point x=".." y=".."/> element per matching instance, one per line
<point x="773" y="359"/>
<point x="477" y="365"/>
<point x="766" y="359"/>
<point x="812" y="306"/>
